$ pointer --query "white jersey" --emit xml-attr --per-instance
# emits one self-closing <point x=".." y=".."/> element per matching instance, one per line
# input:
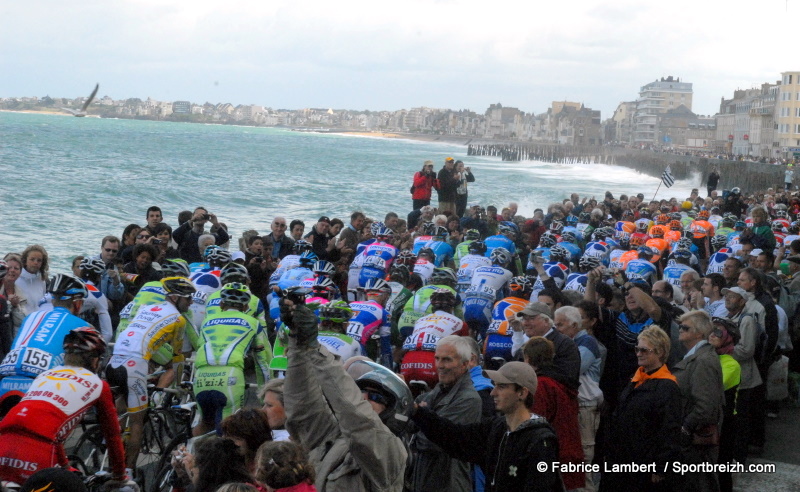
<point x="466" y="268"/>
<point x="717" y="261"/>
<point x="338" y="344"/>
<point x="424" y="269"/>
<point x="672" y="274"/>
<point x="487" y="281"/>
<point x="613" y="258"/>
<point x="287" y="263"/>
<point x="429" y="329"/>
<point x="354" y="273"/>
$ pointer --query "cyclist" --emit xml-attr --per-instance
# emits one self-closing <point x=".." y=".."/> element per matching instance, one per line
<point x="419" y="305"/>
<point x="95" y="307"/>
<point x="642" y="266"/>
<point x="556" y="268"/>
<point x="546" y="241"/>
<point x="508" y="232"/>
<point x="323" y="290"/>
<point x="721" y="253"/>
<point x="425" y="264"/>
<point x="417" y="353"/>
<point x="207" y="280"/>
<point x="487" y="287"/>
<point x="38" y="344"/>
<point x="570" y="242"/>
<point x="462" y="249"/>
<point x="370" y="319"/>
<point x="702" y="232"/>
<point x="333" y="321"/>
<point x="294" y="276"/>
<point x="152" y="327"/>
<point x="469" y="263"/>
<point x="236" y="273"/>
<point x="399" y="279"/>
<point x="152" y="292"/>
<point x="378" y="257"/>
<point x="32" y="436"/>
<point x="577" y="281"/>
<point x="226" y="337"/>
<point x="677" y="263"/>
<point x="497" y="347"/>
<point x="437" y="242"/>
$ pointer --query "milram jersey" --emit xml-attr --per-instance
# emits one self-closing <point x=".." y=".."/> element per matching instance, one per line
<point x="152" y="327"/>
<point x="503" y="311"/>
<point x="39" y="343"/>
<point x="466" y="267"/>
<point x="94" y="310"/>
<point x="428" y="330"/>
<point x="227" y="336"/>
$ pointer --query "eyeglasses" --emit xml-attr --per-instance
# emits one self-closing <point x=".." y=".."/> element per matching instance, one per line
<point x="643" y="350"/>
<point x="684" y="328"/>
<point x="376" y="397"/>
<point x="143" y="236"/>
<point x="717" y="333"/>
<point x="109" y="250"/>
<point x="280" y="224"/>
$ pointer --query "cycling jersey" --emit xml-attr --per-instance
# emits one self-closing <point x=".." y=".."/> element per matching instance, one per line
<point x="614" y="258"/>
<point x="150" y="293"/>
<point x="152" y="327"/>
<point x="443" y="251"/>
<point x="33" y="433"/>
<point x="555" y="270"/>
<point x="543" y="252"/>
<point x="95" y="307"/>
<point x="717" y="261"/>
<point x="466" y="267"/>
<point x="293" y="277"/>
<point x="627" y="257"/>
<point x="574" y="250"/>
<point x="39" y="343"/>
<point x="287" y="263"/>
<point x="461" y="250"/>
<point x="378" y="259"/>
<point x="418" y="306"/>
<point x="340" y="344"/>
<point x="420" y="242"/>
<point x="503" y="311"/>
<point x="673" y="272"/>
<point x="659" y="243"/>
<point x="353" y="275"/>
<point x="701" y="229"/>
<point x="499" y="241"/>
<point x="597" y="249"/>
<point x="428" y="330"/>
<point x="424" y="269"/>
<point x="208" y="282"/>
<point x="255" y="308"/>
<point x="643" y="269"/>
<point x="487" y="287"/>
<point x="577" y="282"/>
<point x="370" y="319"/>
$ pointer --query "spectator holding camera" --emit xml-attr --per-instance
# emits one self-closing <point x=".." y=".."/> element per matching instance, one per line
<point x="475" y="218"/>
<point x="187" y="235"/>
<point x="424" y="181"/>
<point x="464" y="176"/>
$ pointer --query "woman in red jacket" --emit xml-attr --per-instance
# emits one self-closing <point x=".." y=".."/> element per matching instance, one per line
<point x="559" y="405"/>
<point x="424" y="181"/>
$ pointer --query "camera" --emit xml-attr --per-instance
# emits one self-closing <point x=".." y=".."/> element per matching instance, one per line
<point x="206" y="216"/>
<point x="157" y="241"/>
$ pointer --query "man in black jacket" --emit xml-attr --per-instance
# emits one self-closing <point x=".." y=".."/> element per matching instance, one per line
<point x="516" y="449"/>
<point x="188" y="234"/>
<point x="448" y="186"/>
<point x="277" y="244"/>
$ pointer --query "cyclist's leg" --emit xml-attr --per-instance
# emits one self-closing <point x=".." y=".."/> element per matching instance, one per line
<point x="137" y="403"/>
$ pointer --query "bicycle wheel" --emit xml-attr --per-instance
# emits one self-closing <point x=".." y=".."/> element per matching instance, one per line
<point x="90" y="450"/>
<point x="154" y="444"/>
<point x="160" y="483"/>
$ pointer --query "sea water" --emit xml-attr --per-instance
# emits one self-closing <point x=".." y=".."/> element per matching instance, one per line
<point x="66" y="182"/>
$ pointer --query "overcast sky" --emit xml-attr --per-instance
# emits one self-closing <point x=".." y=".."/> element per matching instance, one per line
<point x="394" y="54"/>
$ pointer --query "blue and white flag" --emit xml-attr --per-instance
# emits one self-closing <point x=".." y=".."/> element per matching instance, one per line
<point x="666" y="177"/>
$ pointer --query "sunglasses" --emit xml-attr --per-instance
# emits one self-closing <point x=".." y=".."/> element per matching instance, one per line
<point x="109" y="250"/>
<point x="717" y="333"/>
<point x="684" y="328"/>
<point x="376" y="397"/>
<point x="143" y="236"/>
<point x="643" y="350"/>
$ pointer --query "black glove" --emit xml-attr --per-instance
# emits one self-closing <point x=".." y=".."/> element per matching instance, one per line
<point x="304" y="327"/>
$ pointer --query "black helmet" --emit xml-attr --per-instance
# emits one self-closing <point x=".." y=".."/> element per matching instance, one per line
<point x="397" y="397"/>
<point x="443" y="298"/>
<point x="520" y="286"/>
<point x="477" y="248"/>
<point x="178" y="286"/>
<point x="301" y="246"/>
<point x="235" y="293"/>
<point x="472" y="235"/>
<point x="84" y="340"/>
<point x="66" y="287"/>
<point x="175" y="267"/>
<point x="444" y="276"/>
<point x="427" y="251"/>
<point x="234" y="272"/>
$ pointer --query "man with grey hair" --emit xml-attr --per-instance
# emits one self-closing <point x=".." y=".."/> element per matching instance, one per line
<point x="277" y="243"/>
<point x="536" y="320"/>
<point x="568" y="321"/>
<point x="455" y="399"/>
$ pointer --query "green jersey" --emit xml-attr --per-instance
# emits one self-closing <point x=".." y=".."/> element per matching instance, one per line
<point x="461" y="251"/>
<point x="151" y="293"/>
<point x="419" y="305"/>
<point x="227" y="336"/>
<point x="254" y="309"/>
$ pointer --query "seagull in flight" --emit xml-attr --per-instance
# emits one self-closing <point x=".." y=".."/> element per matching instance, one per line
<point x="82" y="111"/>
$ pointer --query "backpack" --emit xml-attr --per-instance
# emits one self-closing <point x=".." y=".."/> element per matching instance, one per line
<point x="760" y="355"/>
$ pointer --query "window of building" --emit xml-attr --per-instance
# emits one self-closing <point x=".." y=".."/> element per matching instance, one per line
<point x="797" y="128"/>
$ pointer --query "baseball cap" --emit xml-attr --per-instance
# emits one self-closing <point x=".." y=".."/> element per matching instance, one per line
<point x="449" y="159"/>
<point x="516" y="373"/>
<point x="237" y="255"/>
<point x="324" y="218"/>
<point x="535" y="309"/>
<point x="739" y="291"/>
<point x="54" y="480"/>
<point x="756" y="252"/>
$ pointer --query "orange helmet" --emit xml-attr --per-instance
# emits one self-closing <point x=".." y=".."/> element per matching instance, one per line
<point x="662" y="219"/>
<point x="657" y="231"/>
<point x="637" y="241"/>
<point x="703" y="215"/>
<point x="675" y="225"/>
<point x="628" y="227"/>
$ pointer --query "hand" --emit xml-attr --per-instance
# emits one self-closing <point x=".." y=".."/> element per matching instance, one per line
<point x="113" y="274"/>
<point x="14" y="300"/>
<point x="304" y="328"/>
<point x="213" y="219"/>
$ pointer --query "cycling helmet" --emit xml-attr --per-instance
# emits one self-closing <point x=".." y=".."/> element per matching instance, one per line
<point x="427" y="252"/>
<point x="175" y="268"/>
<point x="308" y="258"/>
<point x="777" y="225"/>
<point x="427" y="228"/>
<point x="642" y="227"/>
<point x="781" y="214"/>
<point x="589" y="262"/>
<point x="444" y="298"/>
<point x="736" y="191"/>
<point x="559" y="253"/>
<point x="686" y="205"/>
<point x="324" y="285"/>
<point x="377" y="284"/>
<point x="657" y="231"/>
<point x="397" y="397"/>
<point x="739" y="225"/>
<point x="794" y="227"/>
<point x="685" y="243"/>
<point x="624" y="240"/>
<point x="644" y="213"/>
<point x="178" y="286"/>
<point x="375" y="227"/>
<point x="219" y="257"/>
<point x="645" y="253"/>
<point x="84" y="340"/>
<point x="547" y="240"/>
<point x="336" y="312"/>
<point x="507" y="227"/>
<point x="675" y="225"/>
<point x="3" y="269"/>
<point x="399" y="273"/>
<point x="501" y="256"/>
<point x="675" y="216"/>
<point x="662" y="219"/>
<point x="444" y="276"/>
<point x="235" y="293"/>
<point x="234" y="272"/>
<point x="477" y="248"/>
<point x="406" y="257"/>
<point x="728" y="221"/>
<point x="584" y="217"/>
<point x="556" y="226"/>
<point x="323" y="267"/>
<point x="301" y="246"/>
<point x="637" y="241"/>
<point x="209" y="249"/>
<point x="703" y="214"/>
<point x="66" y="287"/>
<point x="715" y="210"/>
<point x="719" y="241"/>
<point x="520" y="286"/>
<point x="94" y="265"/>
<point x="472" y="235"/>
<point x="439" y="231"/>
<point x="384" y="232"/>
<point x="568" y="237"/>
<point x="692" y="213"/>
<point x="681" y="253"/>
<point x="628" y="214"/>
<point x="571" y="220"/>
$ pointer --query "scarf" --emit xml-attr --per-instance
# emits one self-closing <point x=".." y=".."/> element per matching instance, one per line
<point x="661" y="373"/>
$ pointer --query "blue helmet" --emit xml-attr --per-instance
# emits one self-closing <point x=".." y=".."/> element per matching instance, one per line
<point x="308" y="258"/>
<point x="506" y="227"/>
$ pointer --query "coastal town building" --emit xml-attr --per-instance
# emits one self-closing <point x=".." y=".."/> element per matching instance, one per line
<point x="655" y="98"/>
<point x="787" y="116"/>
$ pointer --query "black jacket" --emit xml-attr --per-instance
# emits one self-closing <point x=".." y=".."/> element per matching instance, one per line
<point x="448" y="184"/>
<point x="567" y="360"/>
<point x="508" y="459"/>
<point x="285" y="248"/>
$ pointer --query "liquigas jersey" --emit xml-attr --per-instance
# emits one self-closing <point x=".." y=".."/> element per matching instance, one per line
<point x="227" y="336"/>
<point x="420" y="305"/>
<point x="255" y="308"/>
